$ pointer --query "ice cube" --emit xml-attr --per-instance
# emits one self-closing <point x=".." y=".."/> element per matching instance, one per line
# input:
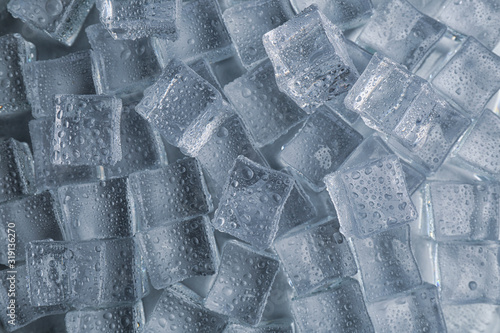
<point x="371" y="197"/>
<point x="310" y="59"/>
<point x="252" y="201"/>
<point x="87" y="130"/>
<point x="71" y="74"/>
<point x="265" y="110"/>
<point x="243" y="283"/>
<point x="314" y="256"/>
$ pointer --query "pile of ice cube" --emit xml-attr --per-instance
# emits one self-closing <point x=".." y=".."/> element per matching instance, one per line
<point x="249" y="166"/>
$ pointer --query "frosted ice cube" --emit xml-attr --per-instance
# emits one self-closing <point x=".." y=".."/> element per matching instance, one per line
<point x="252" y="202"/>
<point x="71" y="74"/>
<point x="60" y="19"/>
<point x="120" y="66"/>
<point x="401" y="32"/>
<point x="172" y="193"/>
<point x="371" y="197"/>
<point x="16" y="170"/>
<point x="179" y="251"/>
<point x="248" y="21"/>
<point x="15" y="51"/>
<point x="134" y="19"/>
<point x="386" y="263"/>
<point x="310" y="59"/>
<point x="320" y="146"/>
<point x="314" y="256"/>
<point x="471" y="77"/>
<point x="265" y="110"/>
<point x="87" y="130"/>
<point x="97" y="210"/>
<point x="243" y="283"/>
<point x="340" y="308"/>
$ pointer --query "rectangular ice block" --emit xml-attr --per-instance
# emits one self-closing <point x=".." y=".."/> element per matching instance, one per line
<point x="310" y="59"/>
<point x="175" y="192"/>
<point x="71" y="74"/>
<point x="87" y="130"/>
<point x="243" y="283"/>
<point x="252" y="202"/>
<point x="314" y="256"/>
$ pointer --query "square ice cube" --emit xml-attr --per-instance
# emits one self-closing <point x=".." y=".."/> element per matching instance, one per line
<point x="179" y="310"/>
<point x="252" y="201"/>
<point x="175" y="192"/>
<point x="29" y="218"/>
<point x="461" y="211"/>
<point x="178" y="251"/>
<point x="265" y="110"/>
<point x="87" y="130"/>
<point x="15" y="51"/>
<point x="320" y="147"/>
<point x="243" y="283"/>
<point x="399" y="31"/>
<point x="314" y="256"/>
<point x="471" y="77"/>
<point x="340" y="308"/>
<point x="386" y="263"/>
<point x="71" y="74"/>
<point x="248" y="21"/>
<point x="16" y="170"/>
<point x="310" y="59"/>
<point x="60" y="19"/>
<point x="371" y="197"/>
<point x="416" y="310"/>
<point x="135" y="19"/>
<point x="120" y="66"/>
<point x="97" y="210"/>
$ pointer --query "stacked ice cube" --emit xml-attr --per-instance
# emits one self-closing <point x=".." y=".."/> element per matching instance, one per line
<point x="233" y="166"/>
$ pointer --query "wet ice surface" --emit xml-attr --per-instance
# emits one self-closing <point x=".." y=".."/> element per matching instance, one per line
<point x="286" y="166"/>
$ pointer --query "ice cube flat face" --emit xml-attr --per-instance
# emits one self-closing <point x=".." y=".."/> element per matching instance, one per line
<point x="471" y="77"/>
<point x="460" y="211"/>
<point x="127" y="318"/>
<point x="48" y="175"/>
<point x="371" y="197"/>
<point x="314" y="256"/>
<point x="179" y="251"/>
<point x="172" y="193"/>
<point x="120" y="66"/>
<point x="468" y="18"/>
<point x="179" y="310"/>
<point x="16" y="170"/>
<point x="320" y="147"/>
<point x="480" y="150"/>
<point x="15" y="52"/>
<point x="310" y="59"/>
<point x="242" y="284"/>
<point x="60" y="19"/>
<point x="401" y="32"/>
<point x="202" y="34"/>
<point x="326" y="311"/>
<point x="266" y="111"/>
<point x="247" y="22"/>
<point x="417" y="310"/>
<point x="298" y="209"/>
<point x="252" y="201"/>
<point x="386" y="263"/>
<point x="135" y="19"/>
<point x="344" y="14"/>
<point x="71" y="74"/>
<point x="97" y="210"/>
<point x="217" y="156"/>
<point x="87" y="130"/>
<point x="32" y="218"/>
<point x="468" y="272"/>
